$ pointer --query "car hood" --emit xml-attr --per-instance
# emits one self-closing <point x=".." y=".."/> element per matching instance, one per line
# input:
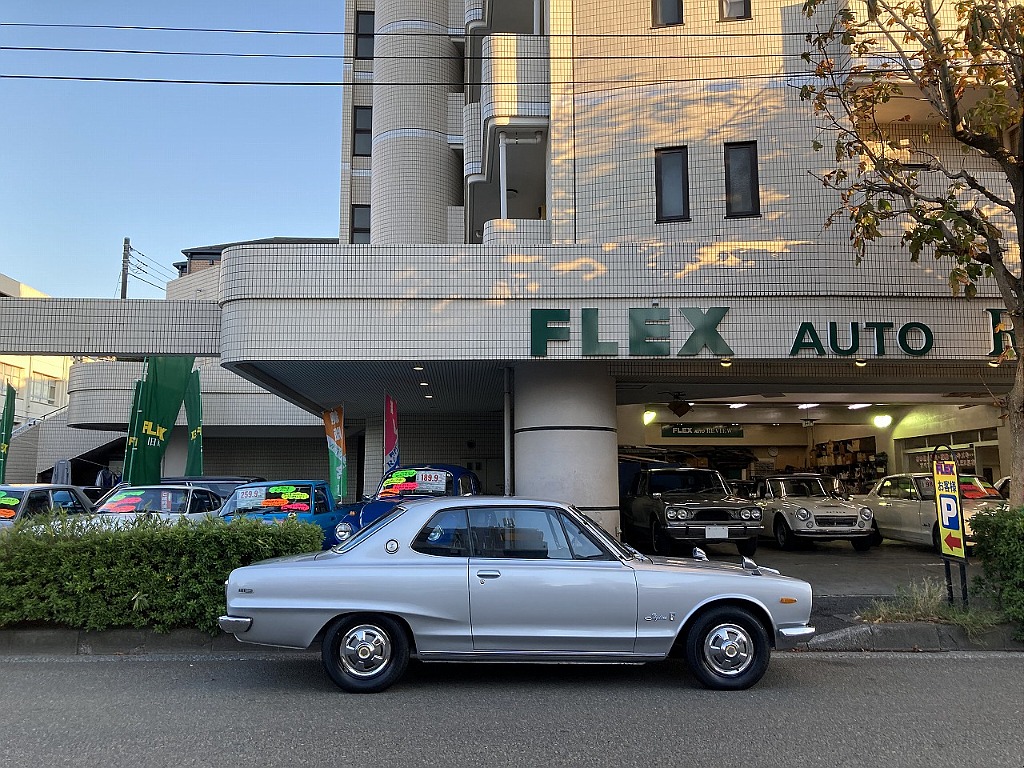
<point x="831" y="504"/>
<point x="703" y="498"/>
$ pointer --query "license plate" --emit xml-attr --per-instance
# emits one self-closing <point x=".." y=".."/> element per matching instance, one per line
<point x="716" y="532"/>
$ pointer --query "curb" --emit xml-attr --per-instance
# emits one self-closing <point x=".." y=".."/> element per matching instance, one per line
<point x="914" y="637"/>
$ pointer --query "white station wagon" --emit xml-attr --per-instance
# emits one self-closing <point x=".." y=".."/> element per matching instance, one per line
<point x="481" y="578"/>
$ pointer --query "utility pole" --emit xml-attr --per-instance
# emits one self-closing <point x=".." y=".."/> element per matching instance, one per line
<point x="124" y="268"/>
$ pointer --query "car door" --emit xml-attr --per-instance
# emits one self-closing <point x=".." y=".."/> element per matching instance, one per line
<point x="896" y="509"/>
<point x="927" y="514"/>
<point x="538" y="582"/>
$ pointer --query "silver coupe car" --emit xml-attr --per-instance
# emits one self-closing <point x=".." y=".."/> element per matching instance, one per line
<point x="505" y="579"/>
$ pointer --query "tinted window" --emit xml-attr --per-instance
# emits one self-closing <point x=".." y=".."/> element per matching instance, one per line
<point x="741" y="185"/>
<point x="446" y="535"/>
<point x="364" y="35"/>
<point x="362" y="136"/>
<point x="667" y="12"/>
<point x="38" y="503"/>
<point x="322" y="504"/>
<point x="672" y="184"/>
<point x="68" y="502"/>
<point x="360" y="224"/>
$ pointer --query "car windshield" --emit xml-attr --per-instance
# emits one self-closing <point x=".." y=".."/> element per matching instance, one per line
<point x="363" y="533"/>
<point x="9" y="500"/>
<point x="261" y="499"/>
<point x="164" y="500"/>
<point x="805" y="487"/>
<point x="416" y="482"/>
<point x="974" y="487"/>
<point x="687" y="481"/>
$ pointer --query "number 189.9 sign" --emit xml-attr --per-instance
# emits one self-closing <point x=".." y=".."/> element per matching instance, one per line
<point x="947" y="502"/>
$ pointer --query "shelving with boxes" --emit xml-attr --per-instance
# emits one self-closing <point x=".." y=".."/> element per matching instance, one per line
<point x="852" y="460"/>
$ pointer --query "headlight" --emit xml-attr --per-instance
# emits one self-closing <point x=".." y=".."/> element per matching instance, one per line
<point x="745" y="514"/>
<point x="343" y="530"/>
<point x="755" y="513"/>
<point x="803" y="514"/>
<point x="866" y="514"/>
<point x="670" y="513"/>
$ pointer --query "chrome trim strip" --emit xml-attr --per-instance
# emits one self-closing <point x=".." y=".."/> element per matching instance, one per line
<point x="789" y="637"/>
<point x="562" y="657"/>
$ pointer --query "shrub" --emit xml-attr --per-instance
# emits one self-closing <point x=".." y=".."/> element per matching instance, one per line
<point x="999" y="547"/>
<point x="143" y="574"/>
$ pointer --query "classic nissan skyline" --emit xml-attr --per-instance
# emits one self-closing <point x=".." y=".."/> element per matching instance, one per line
<point x="506" y="579"/>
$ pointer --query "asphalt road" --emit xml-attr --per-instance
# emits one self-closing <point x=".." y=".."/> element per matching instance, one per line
<point x="811" y="709"/>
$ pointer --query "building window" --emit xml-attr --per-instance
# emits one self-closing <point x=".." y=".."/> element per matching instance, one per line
<point x="362" y="138"/>
<point x="735" y="9"/>
<point x="672" y="184"/>
<point x="360" y="224"/>
<point x="364" y="35"/>
<point x="11" y="375"/>
<point x="667" y="12"/>
<point x="43" y="390"/>
<point x="741" y="191"/>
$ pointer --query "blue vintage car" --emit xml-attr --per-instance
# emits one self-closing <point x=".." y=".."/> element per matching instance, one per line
<point x="309" y="501"/>
<point x="415" y="481"/>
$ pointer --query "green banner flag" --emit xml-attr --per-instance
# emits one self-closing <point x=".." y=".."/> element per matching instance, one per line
<point x="194" y="415"/>
<point x="6" y="427"/>
<point x="160" y="399"/>
<point x="133" y="432"/>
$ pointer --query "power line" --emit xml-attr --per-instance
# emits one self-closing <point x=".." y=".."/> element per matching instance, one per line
<point x="151" y="262"/>
<point x="143" y="280"/>
<point x="139" y="267"/>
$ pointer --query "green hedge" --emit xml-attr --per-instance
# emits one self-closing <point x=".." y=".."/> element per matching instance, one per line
<point x="146" y="574"/>
<point x="999" y="548"/>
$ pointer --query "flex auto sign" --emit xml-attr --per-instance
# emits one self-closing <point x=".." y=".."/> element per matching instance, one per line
<point x="650" y="330"/>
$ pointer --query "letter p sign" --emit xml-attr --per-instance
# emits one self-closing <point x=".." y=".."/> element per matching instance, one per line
<point x="949" y="512"/>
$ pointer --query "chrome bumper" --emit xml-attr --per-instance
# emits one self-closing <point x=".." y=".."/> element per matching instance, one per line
<point x="789" y="637"/>
<point x="234" y="624"/>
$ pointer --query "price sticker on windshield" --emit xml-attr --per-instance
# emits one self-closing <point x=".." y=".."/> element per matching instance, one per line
<point x="251" y="497"/>
<point x="431" y="481"/>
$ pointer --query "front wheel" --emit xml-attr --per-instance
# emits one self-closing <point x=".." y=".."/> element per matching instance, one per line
<point x="783" y="536"/>
<point x="727" y="649"/>
<point x="747" y="547"/>
<point x="365" y="654"/>
<point x="861" y="543"/>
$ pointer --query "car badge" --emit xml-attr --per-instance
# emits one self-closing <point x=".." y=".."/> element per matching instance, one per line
<point x="660" y="617"/>
<point x="391" y="546"/>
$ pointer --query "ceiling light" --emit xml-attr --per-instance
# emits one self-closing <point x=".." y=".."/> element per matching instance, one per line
<point x="805" y="406"/>
<point x="882" y="420"/>
<point x="649" y="416"/>
<point x="858" y="406"/>
<point x="725" y="362"/>
<point x="417" y="367"/>
<point x="429" y="397"/>
<point x="737" y="405"/>
<point x="424" y="384"/>
<point x="679" y="408"/>
<point x="860" y="362"/>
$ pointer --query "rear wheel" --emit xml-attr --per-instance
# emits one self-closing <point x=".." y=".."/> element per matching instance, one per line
<point x="728" y="649"/>
<point x="365" y="654"/>
<point x="783" y="535"/>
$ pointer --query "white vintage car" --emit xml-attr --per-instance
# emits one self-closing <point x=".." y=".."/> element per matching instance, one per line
<point x="491" y="579"/>
<point x="810" y="506"/>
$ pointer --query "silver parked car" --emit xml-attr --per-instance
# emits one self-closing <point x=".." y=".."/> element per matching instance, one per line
<point x="19" y="502"/>
<point x="490" y="579"/>
<point x="904" y="506"/>
<point x="168" y="502"/>
<point x="811" y="506"/>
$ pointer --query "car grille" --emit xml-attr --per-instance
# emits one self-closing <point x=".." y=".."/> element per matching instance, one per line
<point x="711" y="515"/>
<point x="835" y="521"/>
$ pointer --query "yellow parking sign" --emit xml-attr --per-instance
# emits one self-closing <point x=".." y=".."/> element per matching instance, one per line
<point x="952" y="538"/>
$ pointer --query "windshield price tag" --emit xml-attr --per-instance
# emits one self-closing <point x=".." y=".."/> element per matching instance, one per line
<point x="251" y="497"/>
<point x="431" y="481"/>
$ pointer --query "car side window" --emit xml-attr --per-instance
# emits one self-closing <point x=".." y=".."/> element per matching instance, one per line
<point x="197" y="504"/>
<point x="525" y="533"/>
<point x="886" y="489"/>
<point x="445" y="535"/>
<point x="67" y="502"/>
<point x="582" y="545"/>
<point x="320" y="503"/>
<point x="465" y="485"/>
<point x="38" y="503"/>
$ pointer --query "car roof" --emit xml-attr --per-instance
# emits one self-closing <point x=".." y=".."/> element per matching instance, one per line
<point x="161" y="487"/>
<point x="37" y="486"/>
<point x="452" y="468"/>
<point x="444" y="502"/>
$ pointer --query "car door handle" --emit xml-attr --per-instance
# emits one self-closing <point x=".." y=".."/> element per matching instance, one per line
<point x="488" y="574"/>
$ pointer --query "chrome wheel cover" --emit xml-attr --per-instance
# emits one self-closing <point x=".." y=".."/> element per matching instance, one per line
<point x="365" y="650"/>
<point x="728" y="650"/>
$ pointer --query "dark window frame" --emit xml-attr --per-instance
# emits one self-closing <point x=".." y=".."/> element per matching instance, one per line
<point x="364" y="39"/>
<point x="354" y="230"/>
<point x="358" y="132"/>
<point x="755" y="184"/>
<point x="659" y="185"/>
<point x="656" y="13"/>
<point x="746" y="16"/>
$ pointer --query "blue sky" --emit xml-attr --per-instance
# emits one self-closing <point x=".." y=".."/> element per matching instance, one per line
<point x="85" y="164"/>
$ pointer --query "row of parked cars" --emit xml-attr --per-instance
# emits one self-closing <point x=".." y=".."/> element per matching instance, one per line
<point x="196" y="498"/>
<point x="666" y="506"/>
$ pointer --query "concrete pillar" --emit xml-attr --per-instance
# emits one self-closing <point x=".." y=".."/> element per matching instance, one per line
<point x="415" y="174"/>
<point x="565" y="440"/>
